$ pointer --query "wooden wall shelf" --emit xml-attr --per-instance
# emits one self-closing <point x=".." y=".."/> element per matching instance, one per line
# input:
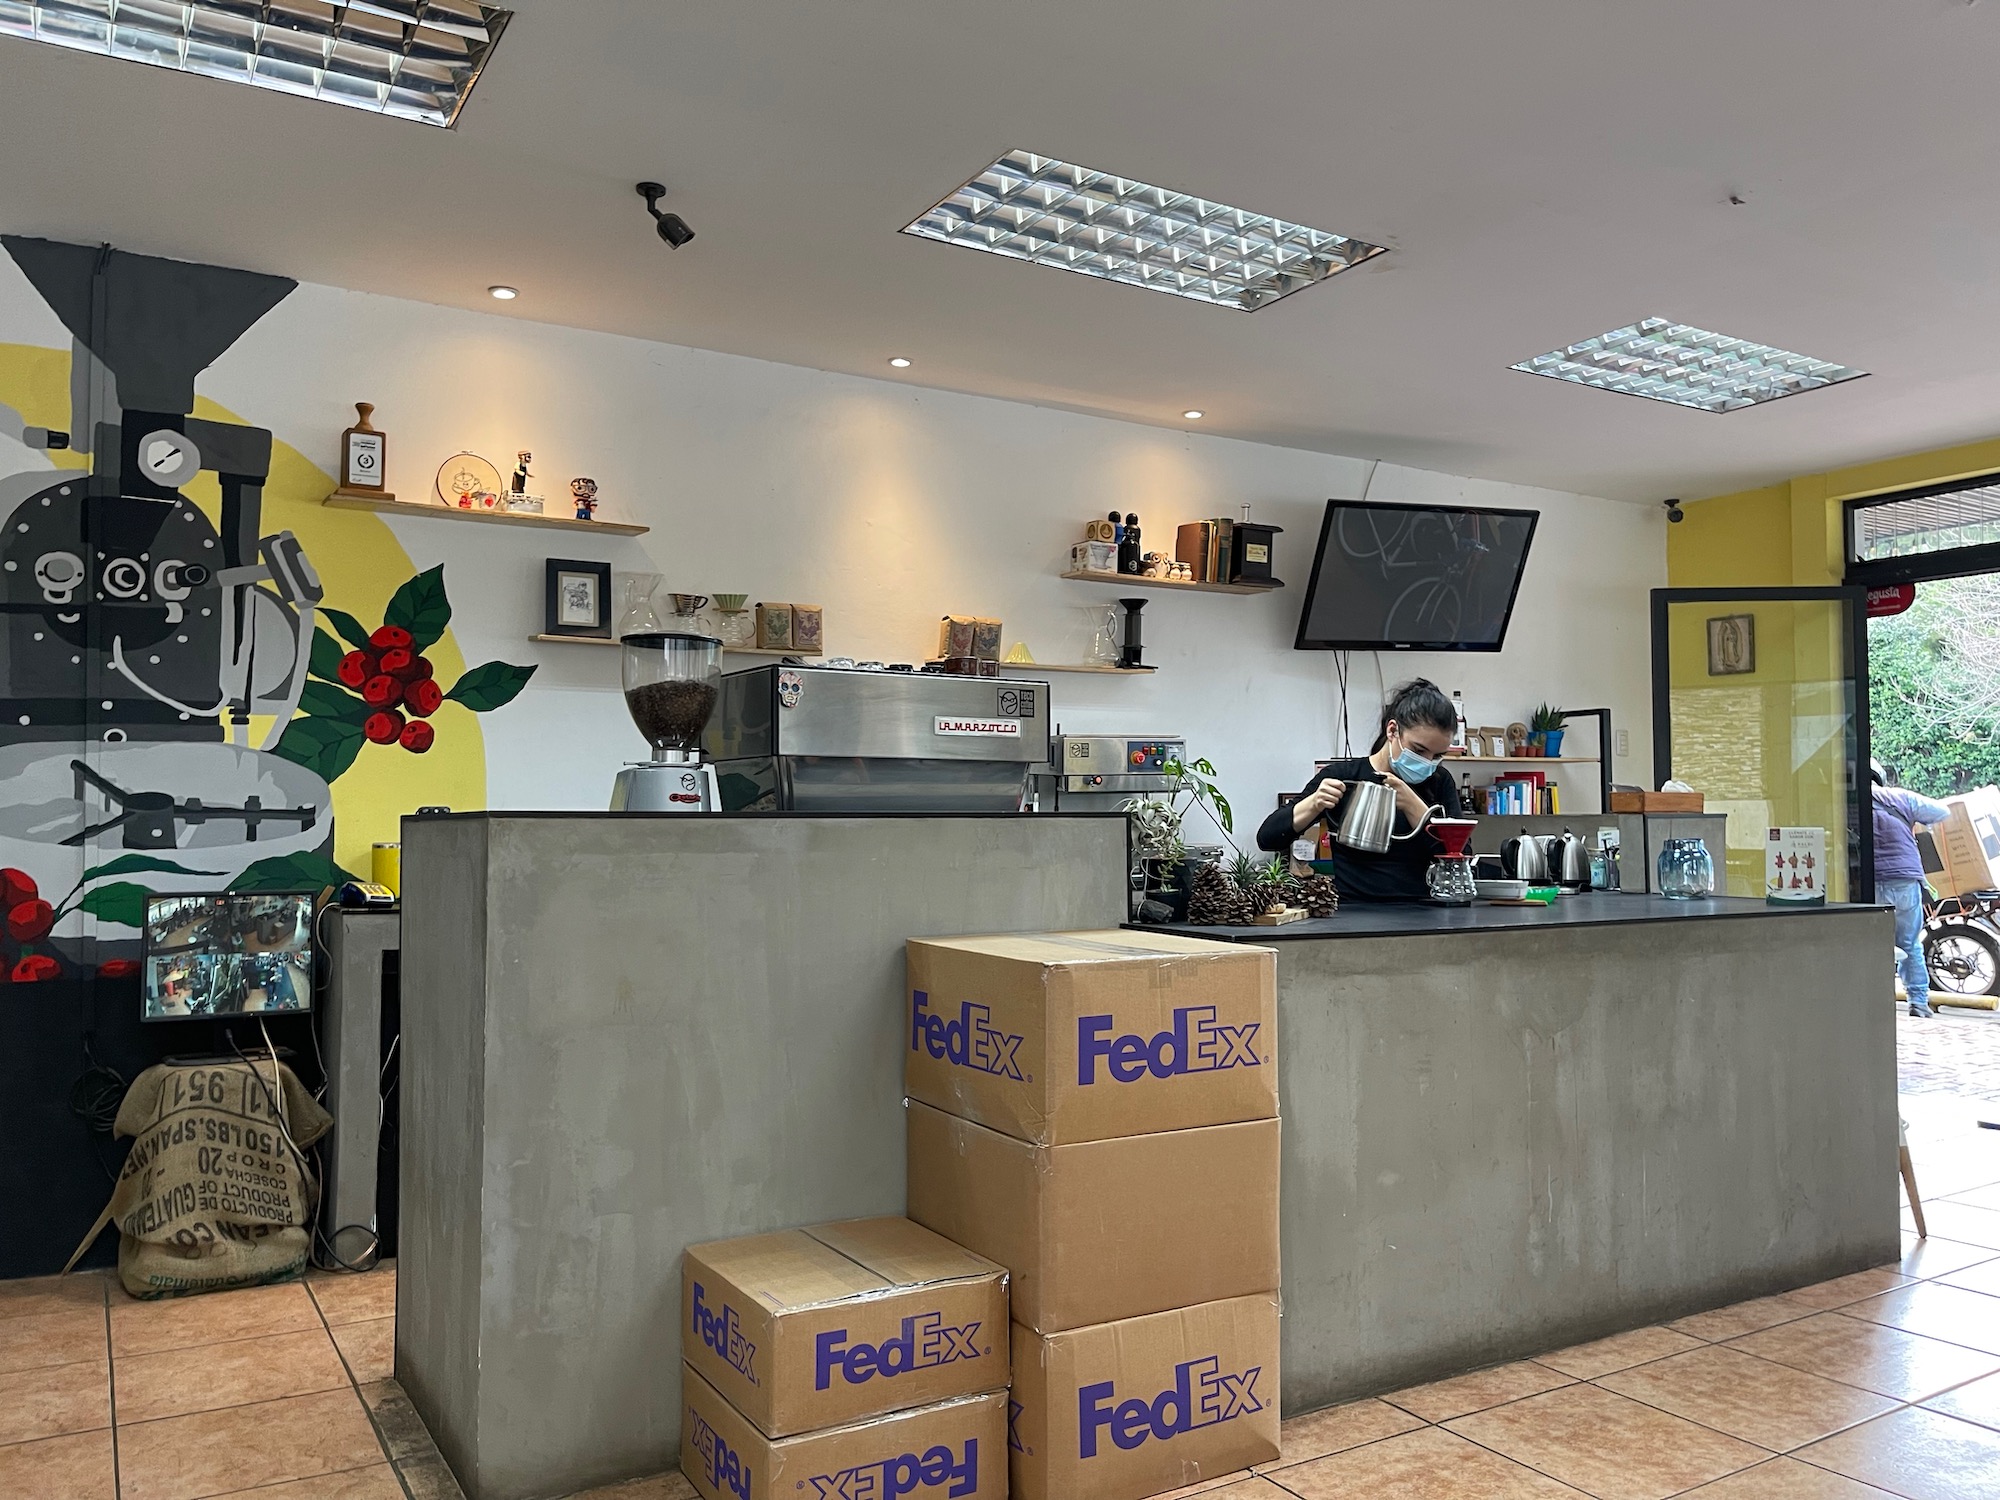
<point x="601" y="640"/>
<point x="1132" y="581"/>
<point x="495" y="517"/>
<point x="1032" y="667"/>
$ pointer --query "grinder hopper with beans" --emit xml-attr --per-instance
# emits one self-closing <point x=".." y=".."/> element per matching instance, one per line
<point x="671" y="680"/>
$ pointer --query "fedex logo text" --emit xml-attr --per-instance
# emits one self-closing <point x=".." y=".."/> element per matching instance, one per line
<point x="903" y="1475"/>
<point x="971" y="1041"/>
<point x="924" y="1342"/>
<point x="1196" y="1043"/>
<point x="722" y="1330"/>
<point x="725" y="1467"/>
<point x="1202" y="1395"/>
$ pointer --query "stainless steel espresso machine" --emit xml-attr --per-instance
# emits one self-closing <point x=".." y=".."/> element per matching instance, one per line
<point x="1098" y="773"/>
<point x="792" y="738"/>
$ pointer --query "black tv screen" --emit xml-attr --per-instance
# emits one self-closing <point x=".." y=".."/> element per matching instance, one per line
<point x="1414" y="577"/>
<point x="232" y="954"/>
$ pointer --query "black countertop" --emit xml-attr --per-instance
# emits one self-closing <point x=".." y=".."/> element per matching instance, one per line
<point x="1593" y="909"/>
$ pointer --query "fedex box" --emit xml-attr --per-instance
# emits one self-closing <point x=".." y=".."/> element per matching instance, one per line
<point x="1095" y="1231"/>
<point x="954" y="1450"/>
<point x="810" y="1328"/>
<point x="1968" y="843"/>
<point x="1078" y="1036"/>
<point x="1123" y="1410"/>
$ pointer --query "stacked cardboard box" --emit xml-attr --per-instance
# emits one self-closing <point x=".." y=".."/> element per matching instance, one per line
<point x="861" y="1359"/>
<point x="1967" y="844"/>
<point x="1098" y="1112"/>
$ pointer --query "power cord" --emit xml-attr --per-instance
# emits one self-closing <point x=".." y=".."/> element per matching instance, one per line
<point x="94" y="1099"/>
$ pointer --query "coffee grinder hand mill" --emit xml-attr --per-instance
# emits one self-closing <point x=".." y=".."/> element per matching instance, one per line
<point x="671" y="682"/>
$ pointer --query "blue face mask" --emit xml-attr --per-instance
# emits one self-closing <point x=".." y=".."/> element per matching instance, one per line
<point x="1413" y="768"/>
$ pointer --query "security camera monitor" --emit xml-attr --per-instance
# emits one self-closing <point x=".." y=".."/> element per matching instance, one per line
<point x="240" y="953"/>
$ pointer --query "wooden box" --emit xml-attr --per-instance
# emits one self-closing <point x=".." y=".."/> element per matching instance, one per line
<point x="1657" y="802"/>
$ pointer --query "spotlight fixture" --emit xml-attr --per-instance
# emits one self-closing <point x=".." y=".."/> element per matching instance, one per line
<point x="899" y="363"/>
<point x="672" y="227"/>
<point x="1674" y="512"/>
<point x="1193" y="416"/>
<point x="502" y="293"/>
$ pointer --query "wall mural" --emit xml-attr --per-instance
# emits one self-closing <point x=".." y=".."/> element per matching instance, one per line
<point x="170" y="705"/>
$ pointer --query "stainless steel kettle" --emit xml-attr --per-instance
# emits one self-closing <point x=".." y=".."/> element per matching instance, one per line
<point x="1569" y="861"/>
<point x="1525" y="857"/>
<point x="1368" y="818"/>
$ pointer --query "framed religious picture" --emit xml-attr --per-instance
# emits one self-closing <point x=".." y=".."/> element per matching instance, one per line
<point x="1732" y="645"/>
<point x="578" y="599"/>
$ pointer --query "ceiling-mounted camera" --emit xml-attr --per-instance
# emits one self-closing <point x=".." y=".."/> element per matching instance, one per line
<point x="672" y="227"/>
<point x="1674" y="511"/>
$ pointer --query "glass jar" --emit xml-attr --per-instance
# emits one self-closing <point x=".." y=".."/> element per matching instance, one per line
<point x="1687" y="870"/>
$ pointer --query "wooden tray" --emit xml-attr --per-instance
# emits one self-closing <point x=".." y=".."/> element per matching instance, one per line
<point x="1657" y="802"/>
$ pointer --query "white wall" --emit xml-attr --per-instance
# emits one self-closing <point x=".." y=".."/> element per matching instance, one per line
<point x="889" y="505"/>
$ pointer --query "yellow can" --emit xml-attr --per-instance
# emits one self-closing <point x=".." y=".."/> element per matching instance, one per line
<point x="387" y="868"/>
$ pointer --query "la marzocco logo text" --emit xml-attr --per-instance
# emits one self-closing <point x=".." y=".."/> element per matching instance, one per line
<point x="722" y="1331"/>
<point x="904" y="1474"/>
<point x="1195" y="1044"/>
<point x="725" y="1466"/>
<point x="925" y="1341"/>
<point x="1202" y="1395"/>
<point x="971" y="1041"/>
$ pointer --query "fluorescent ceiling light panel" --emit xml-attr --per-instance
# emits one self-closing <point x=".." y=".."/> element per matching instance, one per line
<point x="415" y="59"/>
<point x="1667" y="361"/>
<point x="1058" y="214"/>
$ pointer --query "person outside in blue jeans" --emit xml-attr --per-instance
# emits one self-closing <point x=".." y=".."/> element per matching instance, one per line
<point x="1899" y="874"/>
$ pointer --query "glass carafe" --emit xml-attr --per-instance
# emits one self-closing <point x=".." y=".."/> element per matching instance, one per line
<point x="733" y="621"/>
<point x="1687" y="870"/>
<point x="640" y="617"/>
<point x="670" y="687"/>
<point x="1450" y="881"/>
<point x="1107" y="645"/>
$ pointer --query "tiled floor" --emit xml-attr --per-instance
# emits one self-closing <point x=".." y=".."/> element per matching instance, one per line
<point x="1883" y="1384"/>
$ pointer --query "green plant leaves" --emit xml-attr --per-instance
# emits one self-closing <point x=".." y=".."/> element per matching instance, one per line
<point x="420" y="607"/>
<point x="292" y="872"/>
<point x="490" y="686"/>
<point x="351" y="630"/>
<point x="128" y="864"/>
<point x="326" y="655"/>
<point x="321" y="743"/>
<point x="324" y="700"/>
<point x="121" y="902"/>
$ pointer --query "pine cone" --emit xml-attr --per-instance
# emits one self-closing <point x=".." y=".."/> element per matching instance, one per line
<point x="1317" y="895"/>
<point x="1215" y="900"/>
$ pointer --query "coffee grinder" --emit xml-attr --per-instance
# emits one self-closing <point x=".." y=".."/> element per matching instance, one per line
<point x="671" y="682"/>
<point x="1450" y="879"/>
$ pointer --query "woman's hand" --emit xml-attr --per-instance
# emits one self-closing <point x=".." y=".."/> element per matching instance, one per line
<point x="1316" y="804"/>
<point x="1408" y="803"/>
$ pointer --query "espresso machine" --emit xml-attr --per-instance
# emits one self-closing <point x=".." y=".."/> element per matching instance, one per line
<point x="671" y="681"/>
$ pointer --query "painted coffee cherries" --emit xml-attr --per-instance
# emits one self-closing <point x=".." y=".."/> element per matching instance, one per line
<point x="398" y="683"/>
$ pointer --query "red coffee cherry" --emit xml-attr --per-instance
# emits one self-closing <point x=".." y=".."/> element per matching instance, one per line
<point x="382" y="691"/>
<point x="418" y="736"/>
<point x="391" y="637"/>
<point x="383" y="728"/>
<point x="423" y="697"/>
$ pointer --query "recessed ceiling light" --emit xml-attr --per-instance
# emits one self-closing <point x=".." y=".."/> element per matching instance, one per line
<point x="1192" y="416"/>
<point x="1057" y="214"/>
<point x="1667" y="361"/>
<point x="899" y="363"/>
<point x="414" y="59"/>
<point x="502" y="293"/>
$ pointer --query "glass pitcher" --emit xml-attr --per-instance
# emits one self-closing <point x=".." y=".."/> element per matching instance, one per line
<point x="1107" y="645"/>
<point x="1687" y="870"/>
<point x="640" y="617"/>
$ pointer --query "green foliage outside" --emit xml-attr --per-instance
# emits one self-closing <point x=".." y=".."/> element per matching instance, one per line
<point x="1934" y="687"/>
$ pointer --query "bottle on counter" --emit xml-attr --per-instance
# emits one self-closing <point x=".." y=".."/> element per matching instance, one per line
<point x="1131" y="556"/>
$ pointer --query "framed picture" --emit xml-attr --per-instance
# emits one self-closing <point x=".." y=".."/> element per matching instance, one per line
<point x="1732" y="645"/>
<point x="578" y="600"/>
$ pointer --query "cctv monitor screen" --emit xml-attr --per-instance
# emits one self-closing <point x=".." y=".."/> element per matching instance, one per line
<point x="235" y="954"/>
<point x="1414" y="578"/>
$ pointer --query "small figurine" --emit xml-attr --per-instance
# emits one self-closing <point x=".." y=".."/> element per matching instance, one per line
<point x="520" y="486"/>
<point x="584" y="492"/>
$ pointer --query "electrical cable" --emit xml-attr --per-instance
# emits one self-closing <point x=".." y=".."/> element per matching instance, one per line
<point x="94" y="1099"/>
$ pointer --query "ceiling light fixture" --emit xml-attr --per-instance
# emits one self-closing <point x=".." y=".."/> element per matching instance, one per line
<point x="1192" y="416"/>
<point x="899" y="363"/>
<point x="502" y="293"/>
<point x="1667" y="361"/>
<point x="1055" y="213"/>
<point x="413" y="59"/>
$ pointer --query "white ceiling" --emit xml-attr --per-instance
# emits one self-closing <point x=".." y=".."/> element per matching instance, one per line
<point x="1543" y="170"/>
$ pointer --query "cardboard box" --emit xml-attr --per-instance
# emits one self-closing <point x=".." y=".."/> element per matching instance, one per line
<point x="809" y="1328"/>
<point x="955" y="635"/>
<point x="1103" y="1230"/>
<point x="1094" y="557"/>
<point x="774" y="627"/>
<point x="808" y="629"/>
<point x="1079" y="1036"/>
<point x="986" y="635"/>
<point x="1123" y="1410"/>
<point x="1968" y="842"/>
<point x="955" y="1450"/>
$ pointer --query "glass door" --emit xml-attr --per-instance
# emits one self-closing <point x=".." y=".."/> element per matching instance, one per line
<point x="1760" y="702"/>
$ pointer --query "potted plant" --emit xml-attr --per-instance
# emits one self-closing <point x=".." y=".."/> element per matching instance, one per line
<point x="1545" y="730"/>
<point x="1166" y="865"/>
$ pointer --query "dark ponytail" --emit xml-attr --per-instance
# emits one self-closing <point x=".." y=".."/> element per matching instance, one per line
<point x="1418" y="701"/>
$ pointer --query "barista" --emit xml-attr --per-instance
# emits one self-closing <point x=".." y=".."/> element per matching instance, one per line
<point x="1418" y="724"/>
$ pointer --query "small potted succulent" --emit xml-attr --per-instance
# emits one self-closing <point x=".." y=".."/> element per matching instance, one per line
<point x="1545" y="730"/>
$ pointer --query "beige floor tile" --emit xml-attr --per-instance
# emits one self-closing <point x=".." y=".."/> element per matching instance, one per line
<point x="1787" y="1479"/>
<point x="1937" y="1311"/>
<point x="218" y="1452"/>
<point x="1739" y="1318"/>
<point x="376" y="1482"/>
<point x="1207" y="1488"/>
<point x="1977" y="1402"/>
<point x="1619" y="1352"/>
<point x="1771" y="1405"/>
<point x="369" y="1348"/>
<point x="1919" y="1454"/>
<point x="1242" y="1489"/>
<point x="1335" y="1430"/>
<point x="660" y="1487"/>
<point x="345" y="1298"/>
<point x="47" y="1294"/>
<point x="75" y="1467"/>
<point x="185" y="1322"/>
<point x="1828" y="1295"/>
<point x="214" y="1376"/>
<point x="1960" y="1221"/>
<point x="1980" y="1197"/>
<point x="1606" y="1445"/>
<point x="1429" y="1464"/>
<point x="396" y="1421"/>
<point x="1462" y="1395"/>
<point x="1984" y="1277"/>
<point x="66" y="1337"/>
<point x="1937" y="1257"/>
<point x="50" y="1402"/>
<point x="1873" y="1356"/>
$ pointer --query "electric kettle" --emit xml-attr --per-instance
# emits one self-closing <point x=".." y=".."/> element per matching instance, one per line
<point x="1569" y="861"/>
<point x="1525" y="857"/>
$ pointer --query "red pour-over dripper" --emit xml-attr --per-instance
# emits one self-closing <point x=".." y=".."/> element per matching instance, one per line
<point x="1454" y="833"/>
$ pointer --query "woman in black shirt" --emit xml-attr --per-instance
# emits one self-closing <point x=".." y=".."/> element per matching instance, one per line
<point x="1418" y="725"/>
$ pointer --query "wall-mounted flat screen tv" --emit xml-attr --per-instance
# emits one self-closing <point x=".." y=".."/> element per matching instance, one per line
<point x="241" y="953"/>
<point x="1414" y="577"/>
